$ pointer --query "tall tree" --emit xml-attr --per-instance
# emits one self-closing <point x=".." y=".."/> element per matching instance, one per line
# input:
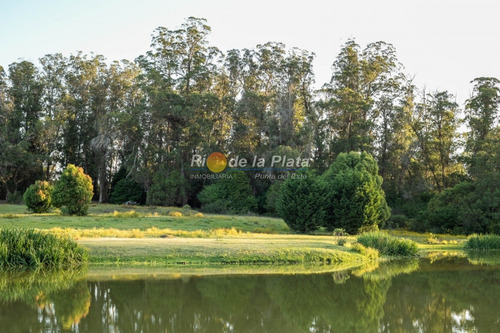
<point x="21" y="109"/>
<point x="482" y="112"/>
<point x="353" y="98"/>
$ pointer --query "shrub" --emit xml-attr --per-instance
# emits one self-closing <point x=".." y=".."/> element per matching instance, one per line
<point x="300" y="203"/>
<point x="168" y="189"/>
<point x="129" y="214"/>
<point x="229" y="195"/>
<point x="175" y="214"/>
<point x="354" y="198"/>
<point x="272" y="197"/>
<point x="38" y="197"/>
<point x="389" y="245"/>
<point x="127" y="190"/>
<point x="29" y="248"/>
<point x="340" y="232"/>
<point x="397" y="221"/>
<point x="73" y="192"/>
<point x="483" y="242"/>
<point x="14" y="198"/>
<point x="467" y="208"/>
<point x="368" y="252"/>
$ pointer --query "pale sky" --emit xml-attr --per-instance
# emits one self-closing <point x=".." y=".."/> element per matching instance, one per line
<point x="444" y="43"/>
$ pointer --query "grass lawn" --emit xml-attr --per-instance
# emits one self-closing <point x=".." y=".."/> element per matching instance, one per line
<point x="159" y="236"/>
<point x="118" y="217"/>
<point x="250" y="249"/>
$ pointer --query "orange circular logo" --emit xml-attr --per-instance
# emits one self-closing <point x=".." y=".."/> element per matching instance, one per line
<point x="216" y="162"/>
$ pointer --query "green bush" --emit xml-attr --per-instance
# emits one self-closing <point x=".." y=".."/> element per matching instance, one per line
<point x="167" y="189"/>
<point x="20" y="248"/>
<point x="388" y="245"/>
<point x="341" y="241"/>
<point x="483" y="243"/>
<point x="368" y="252"/>
<point x="38" y="197"/>
<point x="300" y="203"/>
<point x="354" y="198"/>
<point x="467" y="208"/>
<point x="14" y="198"/>
<point x="397" y="221"/>
<point x="272" y="198"/>
<point x="127" y="190"/>
<point x="231" y="195"/>
<point x="73" y="192"/>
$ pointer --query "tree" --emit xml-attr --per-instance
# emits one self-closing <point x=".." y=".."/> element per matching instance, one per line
<point x="435" y="126"/>
<point x="20" y="139"/>
<point x="127" y="190"/>
<point x="350" y="101"/>
<point x="300" y="203"/>
<point x="73" y="192"/>
<point x="482" y="112"/>
<point x="38" y="197"/>
<point x="231" y="194"/>
<point x="354" y="198"/>
<point x="167" y="189"/>
<point x="467" y="208"/>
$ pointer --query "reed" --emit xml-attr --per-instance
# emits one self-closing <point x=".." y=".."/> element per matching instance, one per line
<point x="28" y="248"/>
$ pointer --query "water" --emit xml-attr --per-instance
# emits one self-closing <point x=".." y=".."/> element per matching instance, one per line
<point x="448" y="295"/>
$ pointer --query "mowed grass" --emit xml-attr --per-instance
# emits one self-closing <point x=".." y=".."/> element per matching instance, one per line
<point x="158" y="236"/>
<point x="106" y="216"/>
<point x="257" y="249"/>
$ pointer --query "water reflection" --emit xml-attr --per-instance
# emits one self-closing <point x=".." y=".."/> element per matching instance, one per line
<point x="42" y="301"/>
<point x="399" y="296"/>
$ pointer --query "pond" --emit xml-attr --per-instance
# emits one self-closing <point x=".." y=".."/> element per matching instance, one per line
<point x="447" y="295"/>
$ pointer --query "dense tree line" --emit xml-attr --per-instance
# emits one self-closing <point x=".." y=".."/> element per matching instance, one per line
<point x="142" y="120"/>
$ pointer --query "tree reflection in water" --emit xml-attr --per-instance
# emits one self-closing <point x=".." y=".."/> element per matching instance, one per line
<point x="397" y="296"/>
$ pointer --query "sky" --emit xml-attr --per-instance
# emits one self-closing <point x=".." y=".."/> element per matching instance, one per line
<point x="443" y="44"/>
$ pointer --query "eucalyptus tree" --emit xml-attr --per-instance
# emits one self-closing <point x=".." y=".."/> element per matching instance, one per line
<point x="435" y="125"/>
<point x="482" y="114"/>
<point x="181" y="110"/>
<point x="52" y="72"/>
<point x="21" y="94"/>
<point x="351" y="101"/>
<point x="394" y="136"/>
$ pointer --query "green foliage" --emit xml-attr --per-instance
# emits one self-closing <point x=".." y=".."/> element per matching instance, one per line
<point x="483" y="242"/>
<point x="232" y="194"/>
<point x="467" y="208"/>
<point x="482" y="110"/>
<point x="14" y="198"/>
<point x="354" y="198"/>
<point x="368" y="252"/>
<point x="300" y="203"/>
<point x="21" y="248"/>
<point x="340" y="232"/>
<point x="389" y="245"/>
<point x="73" y="192"/>
<point x="397" y="221"/>
<point x="127" y="190"/>
<point x="167" y="189"/>
<point x="38" y="197"/>
<point x="272" y="198"/>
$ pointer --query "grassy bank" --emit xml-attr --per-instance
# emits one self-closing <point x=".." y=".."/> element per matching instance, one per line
<point x="159" y="236"/>
<point x="255" y="249"/>
<point x="141" y="218"/>
<point x="27" y="248"/>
